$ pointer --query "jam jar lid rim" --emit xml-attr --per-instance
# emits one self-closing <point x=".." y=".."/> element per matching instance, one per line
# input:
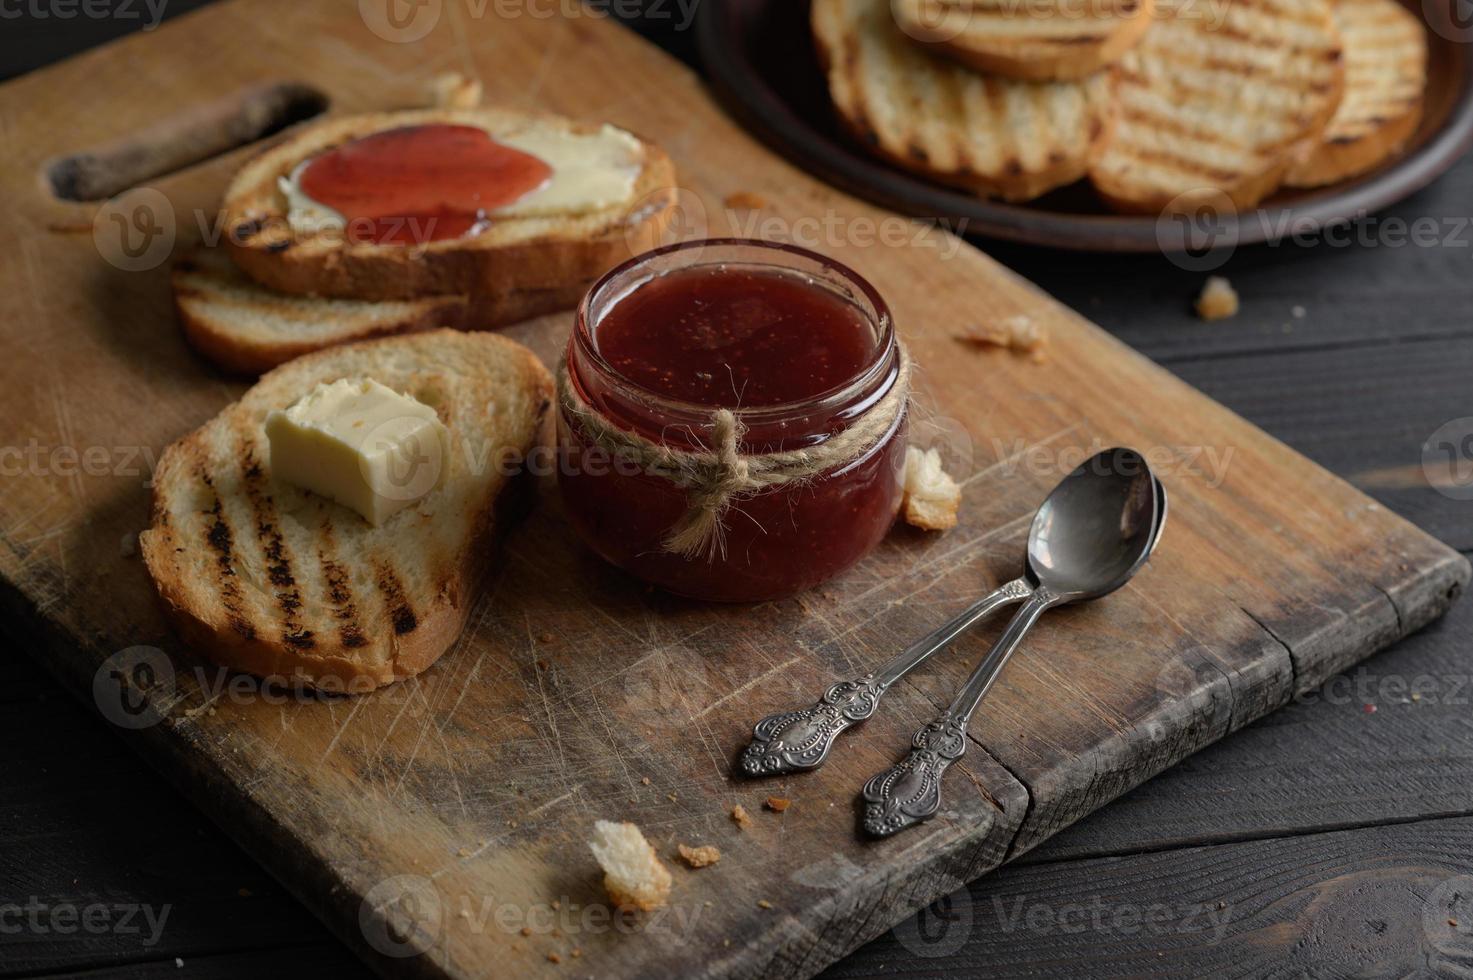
<point x="884" y="360"/>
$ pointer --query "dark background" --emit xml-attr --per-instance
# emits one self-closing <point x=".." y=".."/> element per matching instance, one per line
<point x="1324" y="841"/>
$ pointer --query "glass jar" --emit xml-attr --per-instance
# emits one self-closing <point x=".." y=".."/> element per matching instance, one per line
<point x="774" y="541"/>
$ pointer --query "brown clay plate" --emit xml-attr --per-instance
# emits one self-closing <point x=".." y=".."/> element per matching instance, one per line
<point x="759" y="54"/>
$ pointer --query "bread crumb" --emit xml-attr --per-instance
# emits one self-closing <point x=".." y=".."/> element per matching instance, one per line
<point x="645" y="781"/>
<point x="634" y="876"/>
<point x="128" y="546"/>
<point x="764" y="904"/>
<point x="931" y="496"/>
<point x="545" y="637"/>
<point x="526" y="930"/>
<point x="746" y="201"/>
<point x="554" y="958"/>
<point x="740" y="815"/>
<point x="452" y="90"/>
<point x="1218" y="300"/>
<point x="577" y="952"/>
<point x="699" y="857"/>
<point x="556" y="904"/>
<point x="1019" y="333"/>
<point x="777" y="804"/>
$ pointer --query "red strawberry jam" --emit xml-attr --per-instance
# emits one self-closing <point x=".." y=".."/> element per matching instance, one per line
<point x="419" y="184"/>
<point x="798" y="347"/>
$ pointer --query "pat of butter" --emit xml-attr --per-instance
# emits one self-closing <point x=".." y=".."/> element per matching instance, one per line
<point x="361" y="444"/>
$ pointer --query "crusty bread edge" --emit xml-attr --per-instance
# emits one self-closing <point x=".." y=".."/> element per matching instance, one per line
<point x="1331" y="161"/>
<point x="375" y="272"/>
<point x="1022" y="187"/>
<point x="1081" y="61"/>
<point x="440" y="622"/>
<point x="237" y="356"/>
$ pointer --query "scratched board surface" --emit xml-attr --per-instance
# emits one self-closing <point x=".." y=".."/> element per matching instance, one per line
<point x="440" y="825"/>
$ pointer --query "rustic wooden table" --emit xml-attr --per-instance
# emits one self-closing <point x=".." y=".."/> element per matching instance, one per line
<point x="1327" y="840"/>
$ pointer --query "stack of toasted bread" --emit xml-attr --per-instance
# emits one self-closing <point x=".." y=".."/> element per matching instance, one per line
<point x="1160" y="104"/>
<point x="269" y="292"/>
<point x="295" y="578"/>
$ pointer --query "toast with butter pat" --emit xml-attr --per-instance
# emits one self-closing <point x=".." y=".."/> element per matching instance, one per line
<point x="246" y="328"/>
<point x="609" y="195"/>
<point x="1385" y="77"/>
<point x="1215" y="100"/>
<point x="268" y="578"/>
<point x="992" y="136"/>
<point x="1032" y="40"/>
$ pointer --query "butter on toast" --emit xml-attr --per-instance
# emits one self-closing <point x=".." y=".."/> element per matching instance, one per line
<point x="246" y="328"/>
<point x="1032" y="40"/>
<point x="1215" y="99"/>
<point x="992" y="136"/>
<point x="267" y="578"/>
<point x="1385" y="78"/>
<point x="522" y="252"/>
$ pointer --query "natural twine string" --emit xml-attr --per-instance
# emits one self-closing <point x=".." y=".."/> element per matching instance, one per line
<point x="713" y="478"/>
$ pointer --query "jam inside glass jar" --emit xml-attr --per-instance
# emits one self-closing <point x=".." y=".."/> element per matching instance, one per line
<point x="798" y="348"/>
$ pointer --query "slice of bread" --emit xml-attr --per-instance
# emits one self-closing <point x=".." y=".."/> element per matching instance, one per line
<point x="512" y="254"/>
<point x="634" y="876"/>
<point x="273" y="580"/>
<point x="247" y="328"/>
<point x="991" y="136"/>
<point x="1032" y="40"/>
<point x="1385" y="78"/>
<point x="1213" y="106"/>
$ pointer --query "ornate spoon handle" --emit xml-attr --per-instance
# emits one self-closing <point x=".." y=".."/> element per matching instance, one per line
<point x="910" y="791"/>
<point x="796" y="740"/>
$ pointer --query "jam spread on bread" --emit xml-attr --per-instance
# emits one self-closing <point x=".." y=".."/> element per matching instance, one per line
<point x="799" y="348"/>
<point x="418" y="184"/>
<point x="733" y="338"/>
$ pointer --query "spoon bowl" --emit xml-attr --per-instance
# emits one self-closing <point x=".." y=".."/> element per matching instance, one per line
<point x="1097" y="527"/>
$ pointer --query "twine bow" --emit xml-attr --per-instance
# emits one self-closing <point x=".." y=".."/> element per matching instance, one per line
<point x="713" y="478"/>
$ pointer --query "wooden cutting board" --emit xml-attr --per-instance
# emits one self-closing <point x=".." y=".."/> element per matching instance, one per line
<point x="445" y="816"/>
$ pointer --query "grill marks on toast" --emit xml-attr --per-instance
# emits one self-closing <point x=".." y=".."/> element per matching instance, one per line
<point x="1029" y="40"/>
<point x="396" y="600"/>
<point x="339" y="583"/>
<point x="990" y="135"/>
<point x="220" y="541"/>
<point x="275" y="553"/>
<point x="1219" y="106"/>
<point x="1385" y="81"/>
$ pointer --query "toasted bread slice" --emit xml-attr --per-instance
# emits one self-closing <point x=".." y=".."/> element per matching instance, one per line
<point x="991" y="136"/>
<point x="1385" y="78"/>
<point x="246" y="328"/>
<point x="270" y="579"/>
<point x="1031" y="40"/>
<point x="1214" y="101"/>
<point x="539" y="252"/>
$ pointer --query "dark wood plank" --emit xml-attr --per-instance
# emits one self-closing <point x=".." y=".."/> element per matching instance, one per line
<point x="1392" y="901"/>
<point x="86" y="829"/>
<point x="1379" y="292"/>
<point x="1388" y="741"/>
<point x="318" y="961"/>
<point x="1342" y="408"/>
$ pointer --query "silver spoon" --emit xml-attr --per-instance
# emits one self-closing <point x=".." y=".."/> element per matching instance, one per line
<point x="798" y="740"/>
<point x="1089" y="538"/>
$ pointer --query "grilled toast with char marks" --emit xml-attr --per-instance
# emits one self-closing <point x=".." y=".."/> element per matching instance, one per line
<point x="991" y="136"/>
<point x="1215" y="100"/>
<point x="1385" y="78"/>
<point x="1032" y="40"/>
<point x="273" y="580"/>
